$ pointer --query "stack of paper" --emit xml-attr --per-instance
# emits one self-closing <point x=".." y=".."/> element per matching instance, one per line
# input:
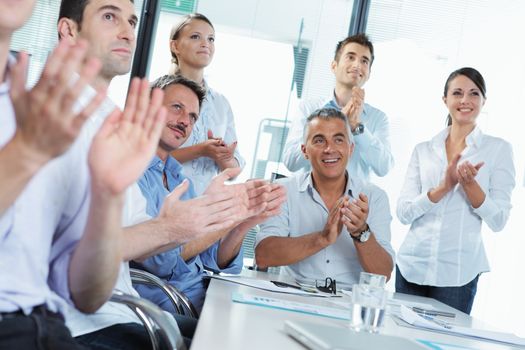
<point x="417" y="320"/>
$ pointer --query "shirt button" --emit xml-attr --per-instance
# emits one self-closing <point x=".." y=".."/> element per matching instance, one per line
<point x="328" y="261"/>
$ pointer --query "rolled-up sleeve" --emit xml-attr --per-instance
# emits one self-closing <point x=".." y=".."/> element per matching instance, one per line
<point x="276" y="226"/>
<point x="413" y="201"/>
<point x="376" y="141"/>
<point x="495" y="209"/>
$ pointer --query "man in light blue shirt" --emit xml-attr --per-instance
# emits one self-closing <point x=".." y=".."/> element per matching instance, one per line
<point x="332" y="224"/>
<point x="184" y="266"/>
<point x="351" y="66"/>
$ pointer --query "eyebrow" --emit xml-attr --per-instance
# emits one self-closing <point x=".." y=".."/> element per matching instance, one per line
<point x="117" y="9"/>
<point x="355" y="54"/>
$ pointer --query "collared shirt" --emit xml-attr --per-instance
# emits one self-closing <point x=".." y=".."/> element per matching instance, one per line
<point x="304" y="212"/>
<point x="215" y="115"/>
<point x="187" y="276"/>
<point x="39" y="232"/>
<point x="372" y="147"/>
<point x="444" y="246"/>
<point x="112" y="313"/>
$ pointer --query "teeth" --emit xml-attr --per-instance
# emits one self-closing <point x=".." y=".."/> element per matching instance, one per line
<point x="330" y="160"/>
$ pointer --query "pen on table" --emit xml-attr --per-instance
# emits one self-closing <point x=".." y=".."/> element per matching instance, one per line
<point x="284" y="285"/>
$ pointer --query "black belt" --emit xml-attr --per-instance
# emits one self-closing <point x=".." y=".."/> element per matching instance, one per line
<point x="37" y="310"/>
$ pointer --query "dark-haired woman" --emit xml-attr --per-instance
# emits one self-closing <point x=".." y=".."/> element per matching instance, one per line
<point x="455" y="181"/>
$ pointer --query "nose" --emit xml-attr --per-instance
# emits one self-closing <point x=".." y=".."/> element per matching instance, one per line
<point x="185" y="119"/>
<point x="328" y="147"/>
<point x="127" y="32"/>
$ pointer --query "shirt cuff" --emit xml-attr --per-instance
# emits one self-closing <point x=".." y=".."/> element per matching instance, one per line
<point x="364" y="139"/>
<point x="423" y="202"/>
<point x="487" y="208"/>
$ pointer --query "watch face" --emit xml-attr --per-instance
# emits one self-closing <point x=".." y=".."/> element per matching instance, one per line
<point x="358" y="129"/>
<point x="364" y="236"/>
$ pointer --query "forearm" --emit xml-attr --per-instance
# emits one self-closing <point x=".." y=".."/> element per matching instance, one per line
<point x="230" y="163"/>
<point x="280" y="251"/>
<point x="474" y="193"/>
<point x="197" y="246"/>
<point x="437" y="193"/>
<point x="149" y="238"/>
<point x="95" y="264"/>
<point x="186" y="154"/>
<point x="19" y="165"/>
<point x="231" y="245"/>
<point x="373" y="257"/>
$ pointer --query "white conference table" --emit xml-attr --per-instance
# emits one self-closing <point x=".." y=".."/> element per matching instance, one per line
<point x="225" y="324"/>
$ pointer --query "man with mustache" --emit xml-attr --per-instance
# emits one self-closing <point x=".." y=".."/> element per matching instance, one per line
<point x="109" y="28"/>
<point x="184" y="266"/>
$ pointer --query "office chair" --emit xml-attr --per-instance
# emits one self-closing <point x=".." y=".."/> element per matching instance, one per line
<point x="163" y="333"/>
<point x="180" y="302"/>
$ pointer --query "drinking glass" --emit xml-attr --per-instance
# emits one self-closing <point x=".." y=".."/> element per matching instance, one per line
<point x="368" y="307"/>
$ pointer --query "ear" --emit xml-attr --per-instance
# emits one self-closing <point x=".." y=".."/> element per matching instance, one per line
<point x="333" y="66"/>
<point x="67" y="29"/>
<point x="303" y="149"/>
<point x="174" y="47"/>
<point x="444" y="98"/>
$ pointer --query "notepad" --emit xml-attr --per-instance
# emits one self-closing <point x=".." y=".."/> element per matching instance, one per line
<point x="281" y="304"/>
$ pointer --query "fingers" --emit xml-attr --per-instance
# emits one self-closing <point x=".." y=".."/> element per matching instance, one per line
<point x="227" y="174"/>
<point x="210" y="134"/>
<point x="178" y="191"/>
<point x="131" y="101"/>
<point x="143" y="103"/>
<point x="19" y="76"/>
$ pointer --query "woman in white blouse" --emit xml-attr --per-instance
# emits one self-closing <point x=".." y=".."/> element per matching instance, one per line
<point x="212" y="145"/>
<point x="453" y="182"/>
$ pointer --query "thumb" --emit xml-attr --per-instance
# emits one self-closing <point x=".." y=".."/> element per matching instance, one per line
<point x="479" y="165"/>
<point x="227" y="174"/>
<point x="179" y="191"/>
<point x="210" y="134"/>
<point x="19" y="76"/>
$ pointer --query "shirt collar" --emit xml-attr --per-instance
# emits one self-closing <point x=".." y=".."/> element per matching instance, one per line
<point x="172" y="165"/>
<point x="473" y="138"/>
<point x="354" y="185"/>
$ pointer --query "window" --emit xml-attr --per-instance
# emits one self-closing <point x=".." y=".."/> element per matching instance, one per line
<point x="418" y="44"/>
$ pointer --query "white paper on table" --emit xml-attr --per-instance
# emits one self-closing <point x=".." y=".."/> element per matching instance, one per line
<point x="281" y="304"/>
<point x="416" y="320"/>
<point x="269" y="286"/>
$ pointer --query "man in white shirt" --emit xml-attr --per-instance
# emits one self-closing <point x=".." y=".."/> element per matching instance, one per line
<point x="61" y="195"/>
<point x="370" y="128"/>
<point x="332" y="224"/>
<point x="108" y="25"/>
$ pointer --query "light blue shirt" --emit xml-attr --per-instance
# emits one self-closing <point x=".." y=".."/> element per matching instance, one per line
<point x="187" y="276"/>
<point x="372" y="147"/>
<point x="215" y="115"/>
<point x="40" y="230"/>
<point x="304" y="212"/>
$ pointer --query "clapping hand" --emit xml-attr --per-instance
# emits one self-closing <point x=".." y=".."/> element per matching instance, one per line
<point x="127" y="140"/>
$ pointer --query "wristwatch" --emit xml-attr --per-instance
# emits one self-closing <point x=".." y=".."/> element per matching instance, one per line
<point x="363" y="236"/>
<point x="358" y="129"/>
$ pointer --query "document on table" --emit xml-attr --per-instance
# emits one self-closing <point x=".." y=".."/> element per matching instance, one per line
<point x="269" y="286"/>
<point x="436" y="324"/>
<point x="274" y="303"/>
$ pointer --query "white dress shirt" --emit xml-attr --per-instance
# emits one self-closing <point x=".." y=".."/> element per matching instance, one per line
<point x="215" y="115"/>
<point x="444" y="246"/>
<point x="304" y="212"/>
<point x="372" y="147"/>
